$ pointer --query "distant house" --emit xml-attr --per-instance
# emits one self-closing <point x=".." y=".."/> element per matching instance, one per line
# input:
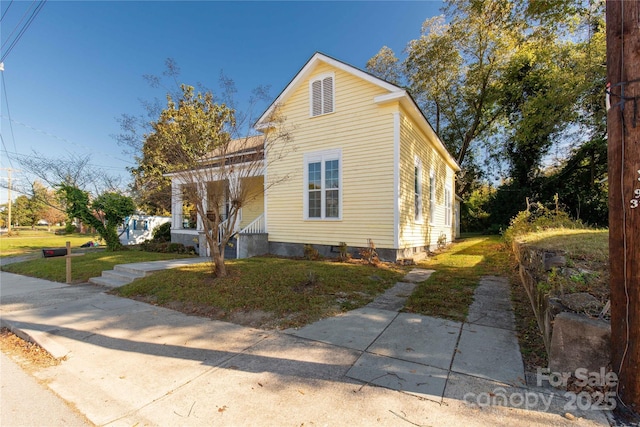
<point x="137" y="228"/>
<point x="366" y="165"/>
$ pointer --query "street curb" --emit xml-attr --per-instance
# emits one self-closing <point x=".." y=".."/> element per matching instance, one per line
<point x="41" y="338"/>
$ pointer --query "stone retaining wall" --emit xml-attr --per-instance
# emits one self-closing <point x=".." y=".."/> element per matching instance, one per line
<point x="572" y="340"/>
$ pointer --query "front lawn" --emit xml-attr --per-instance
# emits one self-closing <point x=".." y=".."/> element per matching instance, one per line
<point x="25" y="241"/>
<point x="85" y="266"/>
<point x="266" y="291"/>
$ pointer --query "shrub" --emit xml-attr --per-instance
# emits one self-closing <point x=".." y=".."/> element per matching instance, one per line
<point x="162" y="233"/>
<point x="311" y="253"/>
<point x="175" y="248"/>
<point x="166" y="247"/>
<point x="344" y="254"/>
<point x="370" y="254"/>
<point x="537" y="217"/>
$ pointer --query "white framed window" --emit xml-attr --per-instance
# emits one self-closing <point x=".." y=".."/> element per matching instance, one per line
<point x="447" y="204"/>
<point x="323" y="185"/>
<point x="417" y="190"/>
<point x="432" y="197"/>
<point x="321" y="91"/>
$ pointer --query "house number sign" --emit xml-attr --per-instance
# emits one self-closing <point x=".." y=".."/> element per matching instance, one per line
<point x="635" y="202"/>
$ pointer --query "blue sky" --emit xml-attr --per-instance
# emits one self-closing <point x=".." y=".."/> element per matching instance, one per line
<point x="79" y="65"/>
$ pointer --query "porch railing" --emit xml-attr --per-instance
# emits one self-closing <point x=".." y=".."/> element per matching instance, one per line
<point x="256" y="226"/>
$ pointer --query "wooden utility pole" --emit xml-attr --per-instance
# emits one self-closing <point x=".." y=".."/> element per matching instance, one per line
<point x="9" y="170"/>
<point x="623" y="127"/>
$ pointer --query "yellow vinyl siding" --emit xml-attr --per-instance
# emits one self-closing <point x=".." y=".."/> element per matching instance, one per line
<point x="414" y="143"/>
<point x="254" y="205"/>
<point x="364" y="133"/>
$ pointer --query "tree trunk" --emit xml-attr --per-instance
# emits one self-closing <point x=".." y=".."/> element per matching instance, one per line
<point x="623" y="127"/>
<point x="217" y="257"/>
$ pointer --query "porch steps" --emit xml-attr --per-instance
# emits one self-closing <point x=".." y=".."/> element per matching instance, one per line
<point x="124" y="274"/>
<point x="120" y="275"/>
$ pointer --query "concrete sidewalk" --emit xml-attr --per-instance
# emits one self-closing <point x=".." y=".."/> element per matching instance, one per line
<point x="128" y="363"/>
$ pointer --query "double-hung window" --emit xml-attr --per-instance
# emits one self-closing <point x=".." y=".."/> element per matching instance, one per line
<point x="323" y="185"/>
<point x="321" y="94"/>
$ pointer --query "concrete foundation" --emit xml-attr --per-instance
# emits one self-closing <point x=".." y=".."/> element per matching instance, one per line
<point x="333" y="251"/>
<point x="252" y="244"/>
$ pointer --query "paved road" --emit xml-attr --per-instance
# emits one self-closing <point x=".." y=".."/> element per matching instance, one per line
<point x="26" y="402"/>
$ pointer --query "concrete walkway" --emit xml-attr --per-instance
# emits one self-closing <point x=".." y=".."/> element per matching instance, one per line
<point x="128" y="363"/>
<point x="420" y="354"/>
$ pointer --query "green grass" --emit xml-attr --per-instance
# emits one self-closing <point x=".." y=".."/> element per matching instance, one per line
<point x="92" y="264"/>
<point x="25" y="241"/>
<point x="587" y="244"/>
<point x="449" y="291"/>
<point x="288" y="292"/>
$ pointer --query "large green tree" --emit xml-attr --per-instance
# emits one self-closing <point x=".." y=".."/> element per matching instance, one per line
<point x="21" y="212"/>
<point x="506" y="85"/>
<point x="104" y="213"/>
<point x="454" y="69"/>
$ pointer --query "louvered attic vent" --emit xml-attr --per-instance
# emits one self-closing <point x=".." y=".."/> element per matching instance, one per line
<point x="322" y="96"/>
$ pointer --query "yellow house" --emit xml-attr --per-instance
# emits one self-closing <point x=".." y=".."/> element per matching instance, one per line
<point x="364" y="164"/>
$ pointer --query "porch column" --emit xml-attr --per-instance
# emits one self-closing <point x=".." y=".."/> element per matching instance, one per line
<point x="176" y="205"/>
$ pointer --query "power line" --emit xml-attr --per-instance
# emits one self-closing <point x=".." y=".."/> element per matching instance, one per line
<point x="33" y="156"/>
<point x="24" y="29"/>
<point x="5" y="150"/>
<point x="6" y="100"/>
<point x="63" y="139"/>
<point x="6" y="10"/>
<point x="18" y="24"/>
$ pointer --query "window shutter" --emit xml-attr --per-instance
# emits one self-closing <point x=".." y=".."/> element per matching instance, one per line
<point x="327" y="93"/>
<point x="316" y="102"/>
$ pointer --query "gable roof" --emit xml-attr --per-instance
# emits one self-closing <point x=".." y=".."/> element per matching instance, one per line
<point x="396" y="93"/>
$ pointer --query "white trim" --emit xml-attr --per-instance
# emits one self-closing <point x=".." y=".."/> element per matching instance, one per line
<point x="321" y="157"/>
<point x="395" y="96"/>
<point x="396" y="179"/>
<point x="209" y="174"/>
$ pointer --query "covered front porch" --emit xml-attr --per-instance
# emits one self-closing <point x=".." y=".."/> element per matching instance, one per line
<point x="248" y="233"/>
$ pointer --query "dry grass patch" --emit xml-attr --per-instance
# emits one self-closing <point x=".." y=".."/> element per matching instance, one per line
<point x="266" y="292"/>
<point x="28" y="355"/>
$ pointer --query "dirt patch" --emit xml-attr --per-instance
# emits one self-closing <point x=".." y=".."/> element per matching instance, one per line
<point x="532" y="347"/>
<point x="30" y="356"/>
<point x="251" y="318"/>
